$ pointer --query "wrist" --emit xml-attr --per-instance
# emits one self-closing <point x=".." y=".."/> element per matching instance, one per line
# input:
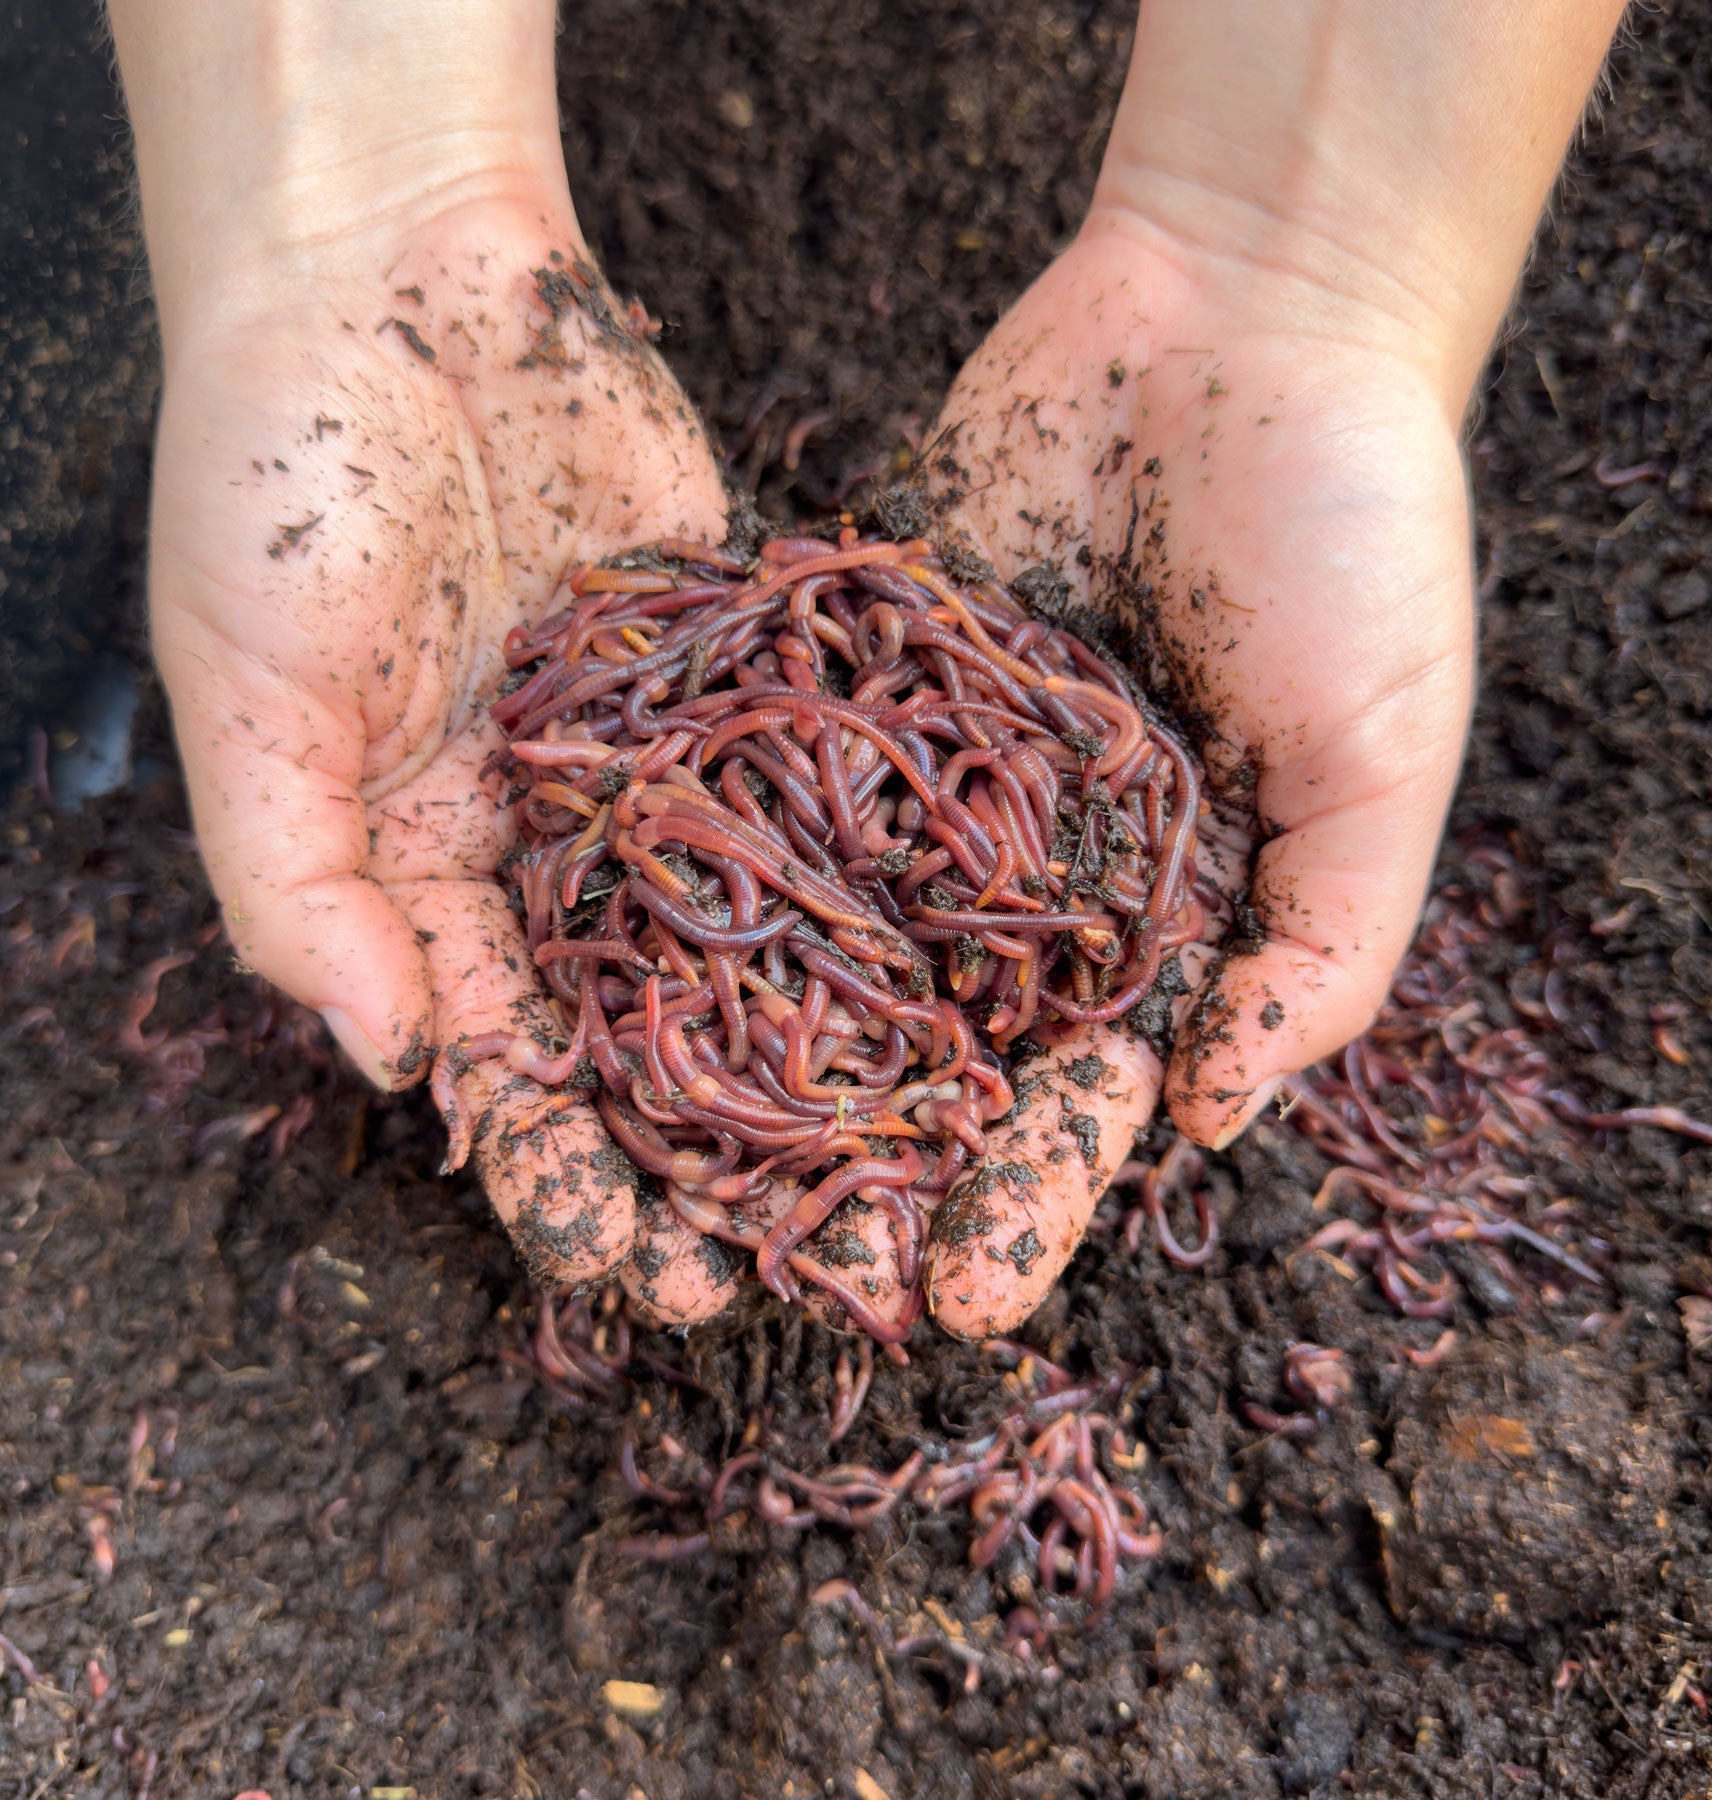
<point x="284" y="141"/>
<point x="1381" y="167"/>
<point x="1290" y="289"/>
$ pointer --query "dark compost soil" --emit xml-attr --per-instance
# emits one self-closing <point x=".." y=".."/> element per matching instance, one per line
<point x="359" y="1550"/>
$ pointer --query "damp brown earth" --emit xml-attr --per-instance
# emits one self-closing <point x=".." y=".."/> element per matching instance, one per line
<point x="278" y="1507"/>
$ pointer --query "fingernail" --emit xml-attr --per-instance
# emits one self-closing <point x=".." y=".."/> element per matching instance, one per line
<point x="358" y="1046"/>
<point x="1247" y="1113"/>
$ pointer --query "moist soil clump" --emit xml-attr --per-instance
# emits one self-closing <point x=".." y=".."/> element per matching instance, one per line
<point x="284" y="1503"/>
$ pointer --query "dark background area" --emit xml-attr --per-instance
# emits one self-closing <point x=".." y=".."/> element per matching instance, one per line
<point x="359" y="1549"/>
<point x="78" y="374"/>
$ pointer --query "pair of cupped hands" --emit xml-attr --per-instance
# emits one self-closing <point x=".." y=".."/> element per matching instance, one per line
<point x="378" y="457"/>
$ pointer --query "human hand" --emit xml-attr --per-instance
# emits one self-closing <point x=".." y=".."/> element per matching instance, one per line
<point x="1228" y="418"/>
<point x="398" y="405"/>
<point x="1275" y="519"/>
<point x="348" y="521"/>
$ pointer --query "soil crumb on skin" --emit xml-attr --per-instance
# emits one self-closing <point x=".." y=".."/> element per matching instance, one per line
<point x="352" y="1546"/>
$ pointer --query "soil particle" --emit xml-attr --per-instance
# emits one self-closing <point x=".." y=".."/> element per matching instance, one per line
<point x="1151" y="1016"/>
<point x="901" y="511"/>
<point x="414" y="339"/>
<point x="745" y="529"/>
<point x="722" y="1262"/>
<point x="964" y="1215"/>
<point x="843" y="1249"/>
<point x="1026" y="1251"/>
<point x="1531" y="1490"/>
<point x="1088" y="1071"/>
<point x="1085" y="1129"/>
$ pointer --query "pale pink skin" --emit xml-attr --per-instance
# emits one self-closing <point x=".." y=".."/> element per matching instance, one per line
<point x="1318" y="210"/>
<point x="1313" y="593"/>
<point x="1312" y="589"/>
<point x="327" y="691"/>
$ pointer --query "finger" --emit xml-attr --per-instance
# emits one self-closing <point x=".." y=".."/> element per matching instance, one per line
<point x="851" y="1267"/>
<point x="588" y="443"/>
<point x="283" y="832"/>
<point x="560" y="1186"/>
<point x="1338" y="894"/>
<point x="1003" y="1238"/>
<point x="677" y="1275"/>
<point x="850" y="1271"/>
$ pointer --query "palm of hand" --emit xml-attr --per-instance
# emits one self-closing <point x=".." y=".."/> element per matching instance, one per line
<point x="1278" y="519"/>
<point x="355" y="501"/>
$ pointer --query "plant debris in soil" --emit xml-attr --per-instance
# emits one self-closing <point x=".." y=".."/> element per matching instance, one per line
<point x="280" y="1512"/>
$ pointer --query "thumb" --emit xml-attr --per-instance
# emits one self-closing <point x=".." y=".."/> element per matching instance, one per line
<point x="272" y="775"/>
<point x="1338" y="892"/>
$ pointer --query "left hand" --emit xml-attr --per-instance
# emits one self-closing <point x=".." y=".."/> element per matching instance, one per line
<point x="1275" y="517"/>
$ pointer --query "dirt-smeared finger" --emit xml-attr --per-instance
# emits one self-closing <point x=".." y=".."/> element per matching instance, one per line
<point x="562" y="1188"/>
<point x="692" y="1255"/>
<point x="856" y="1254"/>
<point x="677" y="1275"/>
<point x="1003" y="1236"/>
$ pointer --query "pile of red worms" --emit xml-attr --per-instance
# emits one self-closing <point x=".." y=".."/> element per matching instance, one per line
<point x="810" y="841"/>
<point x="1047" y="1489"/>
<point x="1439" y="1119"/>
<point x="1037" y="1482"/>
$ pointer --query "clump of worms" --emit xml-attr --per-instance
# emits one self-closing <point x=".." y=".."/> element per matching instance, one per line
<point x="811" y="841"/>
<point x="1047" y="1490"/>
<point x="1319" y="1379"/>
<point x="1440" y="1118"/>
